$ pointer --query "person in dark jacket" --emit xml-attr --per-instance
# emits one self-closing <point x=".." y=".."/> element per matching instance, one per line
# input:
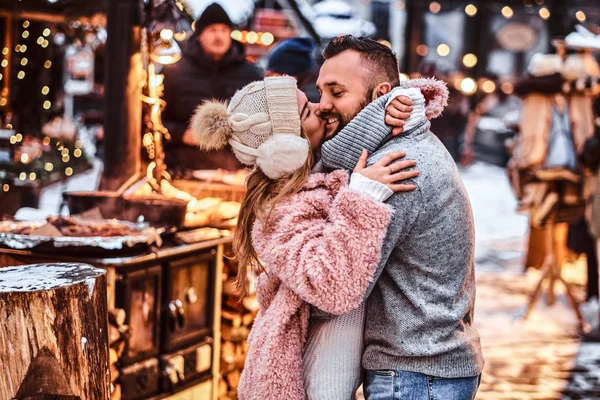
<point x="296" y="57"/>
<point x="213" y="66"/>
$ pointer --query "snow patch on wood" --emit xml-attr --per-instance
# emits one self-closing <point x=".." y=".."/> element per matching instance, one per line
<point x="36" y="277"/>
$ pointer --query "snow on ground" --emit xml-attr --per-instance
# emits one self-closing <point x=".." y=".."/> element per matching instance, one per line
<point x="493" y="203"/>
<point x="538" y="358"/>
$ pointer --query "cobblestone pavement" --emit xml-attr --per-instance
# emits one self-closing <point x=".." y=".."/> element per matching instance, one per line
<point x="543" y="357"/>
<point x="540" y="358"/>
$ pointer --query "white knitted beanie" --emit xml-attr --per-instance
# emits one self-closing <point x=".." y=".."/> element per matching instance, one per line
<point x="261" y="123"/>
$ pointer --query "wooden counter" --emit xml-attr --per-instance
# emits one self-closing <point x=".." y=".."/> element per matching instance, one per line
<point x="187" y="278"/>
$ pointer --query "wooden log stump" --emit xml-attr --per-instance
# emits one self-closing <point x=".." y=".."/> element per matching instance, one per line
<point x="53" y="332"/>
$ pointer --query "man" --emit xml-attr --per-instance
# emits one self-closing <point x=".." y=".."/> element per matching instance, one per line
<point x="420" y="342"/>
<point x="213" y="66"/>
<point x="295" y="57"/>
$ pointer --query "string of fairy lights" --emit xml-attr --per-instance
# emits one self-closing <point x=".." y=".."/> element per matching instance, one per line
<point x="63" y="153"/>
<point x="21" y="49"/>
<point x="469" y="85"/>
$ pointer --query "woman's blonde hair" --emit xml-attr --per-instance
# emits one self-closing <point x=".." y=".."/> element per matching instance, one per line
<point x="262" y="194"/>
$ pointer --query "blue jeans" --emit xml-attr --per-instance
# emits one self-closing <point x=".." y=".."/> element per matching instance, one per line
<point x="405" y="385"/>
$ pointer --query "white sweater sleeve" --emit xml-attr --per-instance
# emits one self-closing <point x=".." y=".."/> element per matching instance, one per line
<point x="368" y="187"/>
<point x="417" y="116"/>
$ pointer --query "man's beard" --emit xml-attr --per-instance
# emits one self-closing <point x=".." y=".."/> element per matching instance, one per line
<point x="345" y="118"/>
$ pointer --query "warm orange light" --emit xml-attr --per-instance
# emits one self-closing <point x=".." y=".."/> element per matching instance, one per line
<point x="267" y="38"/>
<point x="469" y="60"/>
<point x="166" y="34"/>
<point x="471" y="10"/>
<point x="252" y="37"/>
<point x="507" y="88"/>
<point x="488" y="86"/>
<point x="507" y="12"/>
<point x="468" y="86"/>
<point x="435" y="7"/>
<point x="443" y="50"/>
<point x="422" y="50"/>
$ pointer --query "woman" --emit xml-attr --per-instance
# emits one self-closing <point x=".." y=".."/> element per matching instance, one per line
<point x="318" y="236"/>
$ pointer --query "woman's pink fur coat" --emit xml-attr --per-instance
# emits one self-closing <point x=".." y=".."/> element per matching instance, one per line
<point x="320" y="246"/>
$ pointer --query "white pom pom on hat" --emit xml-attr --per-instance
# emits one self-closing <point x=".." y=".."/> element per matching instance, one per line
<point x="282" y="154"/>
<point x="262" y="125"/>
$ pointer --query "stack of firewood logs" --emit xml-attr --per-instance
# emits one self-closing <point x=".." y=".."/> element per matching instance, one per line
<point x="118" y="334"/>
<point x="236" y="321"/>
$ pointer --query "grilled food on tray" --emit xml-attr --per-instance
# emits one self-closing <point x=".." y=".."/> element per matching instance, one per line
<point x="73" y="227"/>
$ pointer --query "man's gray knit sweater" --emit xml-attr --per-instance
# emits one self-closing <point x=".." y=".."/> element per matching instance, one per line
<point x="420" y="305"/>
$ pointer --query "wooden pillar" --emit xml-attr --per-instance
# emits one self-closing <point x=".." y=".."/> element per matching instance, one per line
<point x="478" y="39"/>
<point x="413" y="35"/>
<point x="123" y="88"/>
<point x="558" y="24"/>
<point x="8" y="43"/>
<point x="54" y="333"/>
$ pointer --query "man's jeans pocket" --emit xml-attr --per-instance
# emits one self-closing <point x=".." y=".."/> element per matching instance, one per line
<point x="379" y="384"/>
<point x="383" y="372"/>
<point x="454" y="389"/>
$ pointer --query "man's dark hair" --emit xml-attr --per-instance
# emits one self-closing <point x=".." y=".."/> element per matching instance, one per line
<point x="380" y="59"/>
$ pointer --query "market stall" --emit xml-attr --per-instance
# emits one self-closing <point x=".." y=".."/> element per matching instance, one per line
<point x="163" y="242"/>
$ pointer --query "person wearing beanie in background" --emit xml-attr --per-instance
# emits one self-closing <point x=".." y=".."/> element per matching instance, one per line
<point x="296" y="57"/>
<point x="310" y="238"/>
<point x="213" y="66"/>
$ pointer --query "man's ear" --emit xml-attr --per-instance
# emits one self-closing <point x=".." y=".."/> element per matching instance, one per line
<point x="381" y="89"/>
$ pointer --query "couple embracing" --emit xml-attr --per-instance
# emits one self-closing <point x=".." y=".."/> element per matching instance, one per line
<point x="364" y="265"/>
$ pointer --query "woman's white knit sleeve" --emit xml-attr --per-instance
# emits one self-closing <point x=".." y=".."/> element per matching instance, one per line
<point x="368" y="187"/>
